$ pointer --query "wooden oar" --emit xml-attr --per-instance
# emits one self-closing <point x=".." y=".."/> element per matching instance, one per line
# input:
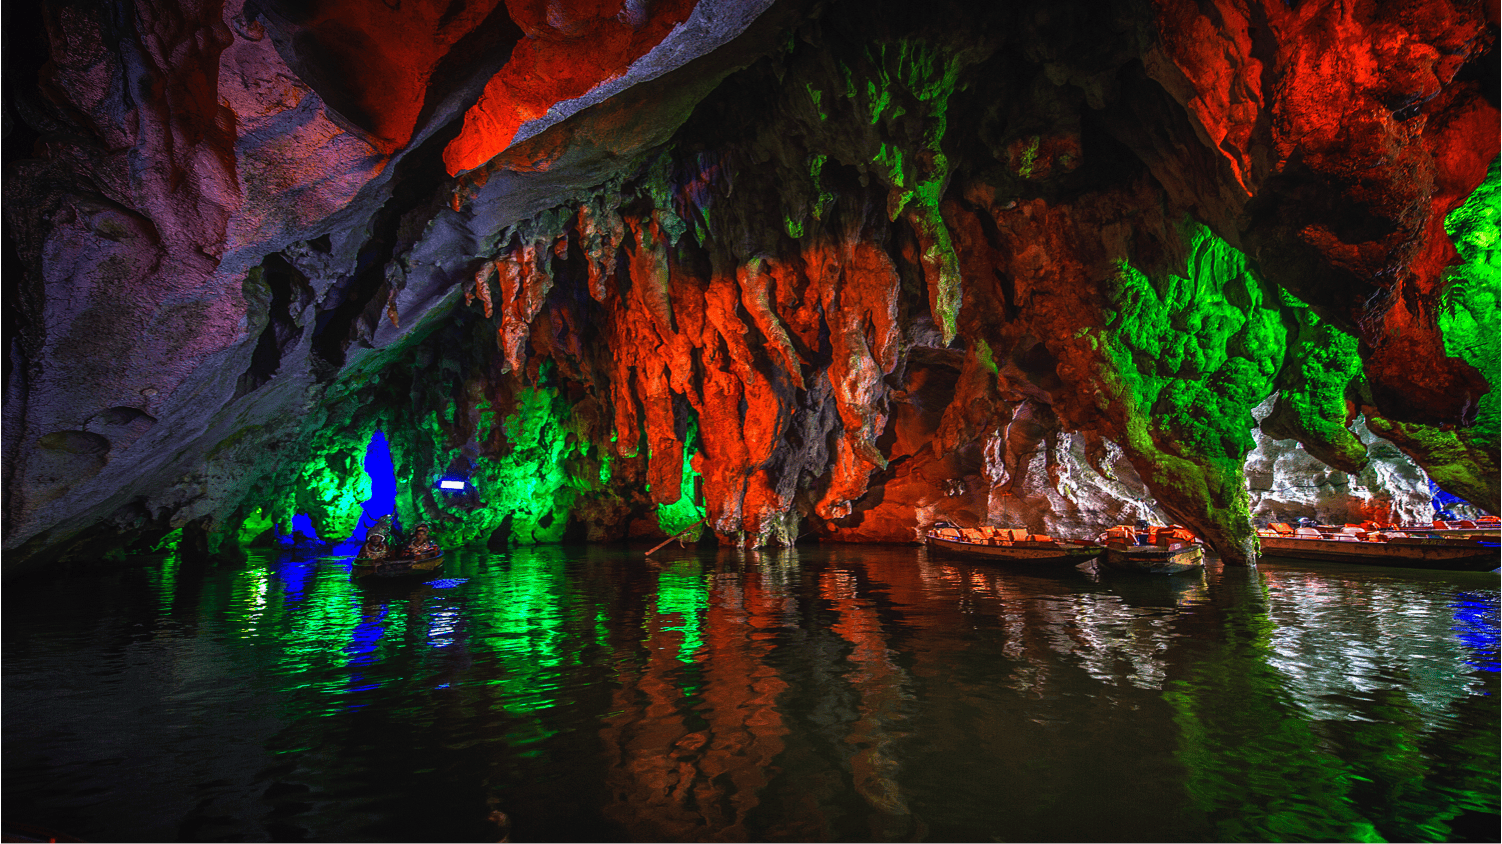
<point x="676" y="535"/>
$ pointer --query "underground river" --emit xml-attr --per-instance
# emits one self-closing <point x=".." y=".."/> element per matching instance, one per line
<point x="822" y="693"/>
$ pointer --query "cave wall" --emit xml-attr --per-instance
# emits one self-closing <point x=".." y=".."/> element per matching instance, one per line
<point x="791" y="268"/>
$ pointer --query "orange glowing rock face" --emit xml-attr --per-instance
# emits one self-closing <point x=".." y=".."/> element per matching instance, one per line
<point x="388" y="54"/>
<point x="524" y="282"/>
<point x="570" y="46"/>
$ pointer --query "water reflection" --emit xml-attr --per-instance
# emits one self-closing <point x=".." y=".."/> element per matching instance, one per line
<point x="694" y="727"/>
<point x="1118" y="634"/>
<point x="1337" y="642"/>
<point x="884" y="693"/>
<point x="1476" y="625"/>
<point x="1326" y="711"/>
<point x="807" y="694"/>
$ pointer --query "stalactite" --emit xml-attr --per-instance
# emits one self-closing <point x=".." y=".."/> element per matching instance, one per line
<point x="851" y="273"/>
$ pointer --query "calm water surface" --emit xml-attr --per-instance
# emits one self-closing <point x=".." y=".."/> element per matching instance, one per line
<point x="823" y="693"/>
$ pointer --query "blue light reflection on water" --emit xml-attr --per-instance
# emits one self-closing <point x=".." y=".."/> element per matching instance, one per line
<point x="1476" y="624"/>
<point x="295" y="575"/>
<point x="366" y="637"/>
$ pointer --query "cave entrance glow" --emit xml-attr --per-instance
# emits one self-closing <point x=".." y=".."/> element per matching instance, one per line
<point x="381" y="471"/>
<point x="382" y="474"/>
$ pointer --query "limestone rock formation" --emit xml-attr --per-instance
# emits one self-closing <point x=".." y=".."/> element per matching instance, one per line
<point x="790" y="268"/>
<point x="1287" y="482"/>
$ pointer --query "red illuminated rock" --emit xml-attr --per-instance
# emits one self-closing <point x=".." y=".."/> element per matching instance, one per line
<point x="567" y="49"/>
<point x="1355" y="109"/>
<point x="878" y="261"/>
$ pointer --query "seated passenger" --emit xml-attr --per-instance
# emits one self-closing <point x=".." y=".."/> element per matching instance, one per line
<point x="421" y="545"/>
<point x="374" y="548"/>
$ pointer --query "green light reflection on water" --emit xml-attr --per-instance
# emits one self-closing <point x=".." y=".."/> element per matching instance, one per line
<point x="249" y="592"/>
<point x="163" y="578"/>
<point x="320" y="629"/>
<point x="300" y="615"/>
<point x="683" y="591"/>
<point x="1262" y="767"/>
<point x="164" y="582"/>
<point x="519" y="619"/>
<point x="1256" y="768"/>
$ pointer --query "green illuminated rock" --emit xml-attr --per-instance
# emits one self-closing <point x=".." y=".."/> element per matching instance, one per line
<point x="686" y="512"/>
<point x="1318" y="391"/>
<point x="1192" y="355"/>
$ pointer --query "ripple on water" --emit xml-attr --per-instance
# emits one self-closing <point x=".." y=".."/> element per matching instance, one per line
<point x="819" y="694"/>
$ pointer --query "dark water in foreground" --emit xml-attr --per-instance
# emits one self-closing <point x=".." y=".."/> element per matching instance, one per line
<point x="845" y="693"/>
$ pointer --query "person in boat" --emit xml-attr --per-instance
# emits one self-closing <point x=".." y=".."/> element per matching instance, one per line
<point x="377" y="544"/>
<point x="375" y="547"/>
<point x="421" y="544"/>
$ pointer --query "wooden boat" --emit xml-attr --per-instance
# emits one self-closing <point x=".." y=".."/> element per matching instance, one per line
<point x="379" y="558"/>
<point x="1460" y="529"/>
<point x="1152" y="550"/>
<point x="1482" y="528"/>
<point x="1383" y="548"/>
<point x="397" y="567"/>
<point x="1005" y="545"/>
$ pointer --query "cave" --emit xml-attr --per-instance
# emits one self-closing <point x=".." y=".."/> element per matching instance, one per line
<point x="749" y="274"/>
<point x="847" y="275"/>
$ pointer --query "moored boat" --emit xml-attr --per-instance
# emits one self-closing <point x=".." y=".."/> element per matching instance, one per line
<point x="1483" y="528"/>
<point x="1384" y="548"/>
<point x="1152" y="550"/>
<point x="1007" y="545"/>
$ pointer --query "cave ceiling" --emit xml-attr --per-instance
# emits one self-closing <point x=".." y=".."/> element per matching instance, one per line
<point x="793" y="268"/>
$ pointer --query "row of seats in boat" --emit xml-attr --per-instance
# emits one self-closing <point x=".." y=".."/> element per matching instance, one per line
<point x="1484" y="522"/>
<point x="1327" y="532"/>
<point x="986" y="535"/>
<point x="1367" y="531"/>
<point x="1282" y="529"/>
<point x="1154" y="535"/>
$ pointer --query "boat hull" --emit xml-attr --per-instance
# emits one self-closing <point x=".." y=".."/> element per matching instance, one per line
<point x="1154" y="559"/>
<point x="1024" y="553"/>
<point x="401" y="567"/>
<point x="1457" y="555"/>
